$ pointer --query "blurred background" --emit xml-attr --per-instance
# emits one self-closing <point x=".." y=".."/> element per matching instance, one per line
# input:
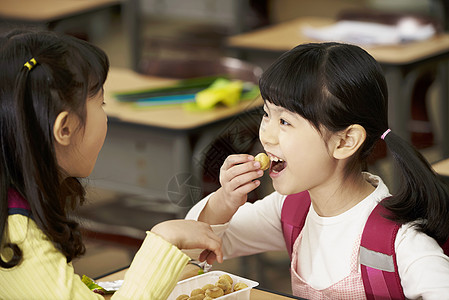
<point x="136" y="182"/>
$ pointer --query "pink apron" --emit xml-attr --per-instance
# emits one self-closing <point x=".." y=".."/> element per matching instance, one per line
<point x="350" y="287"/>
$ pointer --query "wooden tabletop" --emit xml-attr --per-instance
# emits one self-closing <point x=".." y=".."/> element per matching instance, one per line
<point x="175" y="117"/>
<point x="442" y="167"/>
<point x="49" y="10"/>
<point x="190" y="270"/>
<point x="286" y="35"/>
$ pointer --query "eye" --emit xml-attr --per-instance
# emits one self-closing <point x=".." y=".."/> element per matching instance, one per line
<point x="265" y="114"/>
<point x="283" y="122"/>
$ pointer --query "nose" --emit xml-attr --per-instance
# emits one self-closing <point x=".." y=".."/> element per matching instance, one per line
<point x="268" y="132"/>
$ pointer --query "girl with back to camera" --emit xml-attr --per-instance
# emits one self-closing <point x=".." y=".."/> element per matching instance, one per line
<point x="52" y="127"/>
<point x="325" y="109"/>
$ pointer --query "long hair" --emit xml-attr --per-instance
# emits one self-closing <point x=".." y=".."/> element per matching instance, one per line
<point x="68" y="71"/>
<point x="333" y="86"/>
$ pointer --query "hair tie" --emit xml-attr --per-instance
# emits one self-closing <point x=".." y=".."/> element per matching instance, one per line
<point x="30" y="64"/>
<point x="385" y="133"/>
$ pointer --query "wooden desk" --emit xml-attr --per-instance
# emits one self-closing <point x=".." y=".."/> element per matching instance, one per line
<point x="442" y="167"/>
<point x="174" y="117"/>
<point x="402" y="65"/>
<point x="256" y="294"/>
<point x="48" y="13"/>
<point x="147" y="152"/>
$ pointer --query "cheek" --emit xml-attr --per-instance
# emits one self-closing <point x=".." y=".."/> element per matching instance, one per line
<point x="307" y="158"/>
<point x="102" y="131"/>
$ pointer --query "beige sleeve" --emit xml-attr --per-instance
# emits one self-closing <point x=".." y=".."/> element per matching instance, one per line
<point x="45" y="274"/>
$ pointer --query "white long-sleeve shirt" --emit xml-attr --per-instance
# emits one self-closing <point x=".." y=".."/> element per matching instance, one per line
<point x="327" y="243"/>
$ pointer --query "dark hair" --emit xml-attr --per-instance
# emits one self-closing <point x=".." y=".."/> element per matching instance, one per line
<point x="67" y="72"/>
<point x="333" y="86"/>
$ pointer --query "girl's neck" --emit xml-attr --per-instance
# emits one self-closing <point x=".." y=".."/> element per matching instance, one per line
<point x="336" y="197"/>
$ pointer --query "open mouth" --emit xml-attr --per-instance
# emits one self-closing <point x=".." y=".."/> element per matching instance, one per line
<point x="277" y="164"/>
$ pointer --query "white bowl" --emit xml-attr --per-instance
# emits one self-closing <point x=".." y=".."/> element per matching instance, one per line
<point x="188" y="285"/>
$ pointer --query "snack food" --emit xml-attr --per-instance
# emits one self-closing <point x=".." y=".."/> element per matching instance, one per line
<point x="264" y="161"/>
<point x="215" y="292"/>
<point x="197" y="292"/>
<point x="208" y="286"/>
<point x="222" y="287"/>
<point x="225" y="285"/>
<point x="209" y="280"/>
<point x="197" y="297"/>
<point x="226" y="277"/>
<point x="240" y="286"/>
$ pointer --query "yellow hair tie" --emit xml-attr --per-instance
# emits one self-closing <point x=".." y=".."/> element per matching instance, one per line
<point x="30" y="64"/>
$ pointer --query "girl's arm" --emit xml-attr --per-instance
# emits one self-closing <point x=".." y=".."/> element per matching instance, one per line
<point x="423" y="267"/>
<point x="254" y="228"/>
<point x="45" y="274"/>
<point x="154" y="270"/>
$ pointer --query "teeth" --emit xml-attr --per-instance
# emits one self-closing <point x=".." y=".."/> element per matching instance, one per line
<point x="276" y="159"/>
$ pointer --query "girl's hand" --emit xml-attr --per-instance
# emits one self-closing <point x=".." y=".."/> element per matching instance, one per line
<point x="189" y="234"/>
<point x="238" y="178"/>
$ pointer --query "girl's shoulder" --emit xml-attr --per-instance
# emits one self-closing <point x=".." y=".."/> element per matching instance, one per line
<point x="420" y="256"/>
<point x="22" y="229"/>
<point x="409" y="237"/>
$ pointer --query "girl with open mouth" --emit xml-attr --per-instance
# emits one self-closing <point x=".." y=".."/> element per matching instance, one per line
<point x="325" y="109"/>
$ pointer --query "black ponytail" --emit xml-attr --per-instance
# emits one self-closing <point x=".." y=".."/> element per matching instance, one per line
<point x="6" y="173"/>
<point x="421" y="196"/>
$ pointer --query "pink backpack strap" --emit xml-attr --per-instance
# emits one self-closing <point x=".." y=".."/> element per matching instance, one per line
<point x="17" y="204"/>
<point x="378" y="257"/>
<point x="445" y="247"/>
<point x="293" y="216"/>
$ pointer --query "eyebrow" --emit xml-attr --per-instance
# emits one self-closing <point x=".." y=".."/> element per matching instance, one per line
<point x="281" y="110"/>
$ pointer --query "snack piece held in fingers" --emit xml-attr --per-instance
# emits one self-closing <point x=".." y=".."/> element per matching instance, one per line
<point x="264" y="161"/>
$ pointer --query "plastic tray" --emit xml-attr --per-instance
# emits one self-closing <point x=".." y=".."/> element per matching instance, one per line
<point x="187" y="285"/>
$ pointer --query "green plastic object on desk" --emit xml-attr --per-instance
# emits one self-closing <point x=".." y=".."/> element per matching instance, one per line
<point x="224" y="91"/>
<point x="93" y="286"/>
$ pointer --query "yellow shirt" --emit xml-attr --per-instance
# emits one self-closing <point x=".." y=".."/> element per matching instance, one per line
<point x="45" y="274"/>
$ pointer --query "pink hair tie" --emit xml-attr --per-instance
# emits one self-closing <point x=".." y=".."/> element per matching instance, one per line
<point x="385" y="133"/>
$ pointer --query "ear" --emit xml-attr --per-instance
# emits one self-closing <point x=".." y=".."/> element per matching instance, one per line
<point x="64" y="128"/>
<point x="349" y="141"/>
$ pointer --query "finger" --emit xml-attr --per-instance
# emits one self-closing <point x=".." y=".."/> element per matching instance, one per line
<point x="243" y="168"/>
<point x="214" y="245"/>
<point x="247" y="188"/>
<point x="236" y="159"/>
<point x="211" y="256"/>
<point x="244" y="179"/>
